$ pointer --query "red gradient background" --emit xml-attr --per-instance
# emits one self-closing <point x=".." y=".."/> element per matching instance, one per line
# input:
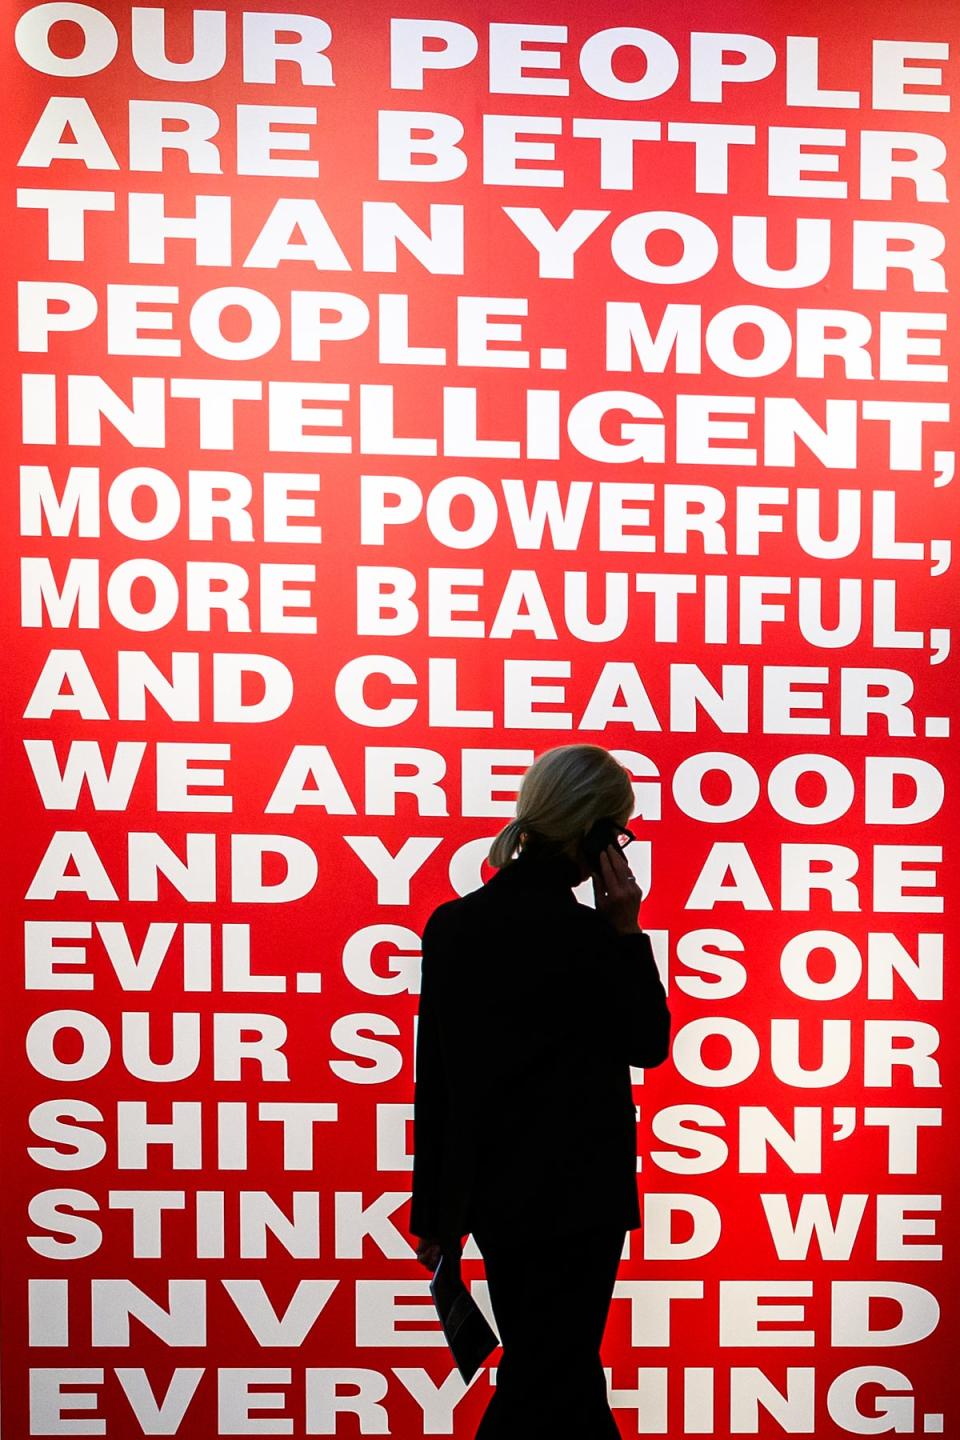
<point x="310" y="934"/>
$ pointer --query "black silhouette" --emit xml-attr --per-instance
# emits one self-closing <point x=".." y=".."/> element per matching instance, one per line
<point x="532" y="1008"/>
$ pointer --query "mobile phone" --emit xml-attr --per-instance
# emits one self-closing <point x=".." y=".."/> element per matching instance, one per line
<point x="602" y="833"/>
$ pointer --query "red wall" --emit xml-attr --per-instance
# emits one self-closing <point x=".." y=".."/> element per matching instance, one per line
<point x="416" y="641"/>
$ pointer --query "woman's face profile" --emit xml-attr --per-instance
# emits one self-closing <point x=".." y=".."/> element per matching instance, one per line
<point x="584" y="862"/>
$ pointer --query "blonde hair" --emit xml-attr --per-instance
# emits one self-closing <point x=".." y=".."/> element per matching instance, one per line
<point x="561" y="794"/>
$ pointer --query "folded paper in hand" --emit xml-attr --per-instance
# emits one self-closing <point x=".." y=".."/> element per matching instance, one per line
<point x="464" y="1324"/>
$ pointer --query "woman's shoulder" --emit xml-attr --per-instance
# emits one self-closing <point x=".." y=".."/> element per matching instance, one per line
<point x="450" y="915"/>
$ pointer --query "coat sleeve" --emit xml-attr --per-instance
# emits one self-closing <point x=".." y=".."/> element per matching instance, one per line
<point x="640" y="1000"/>
<point x="429" y="1102"/>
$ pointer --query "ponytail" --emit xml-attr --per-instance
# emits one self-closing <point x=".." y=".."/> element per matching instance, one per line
<point x="505" y="845"/>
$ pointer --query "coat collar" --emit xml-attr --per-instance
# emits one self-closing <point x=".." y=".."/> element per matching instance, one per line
<point x="555" y="874"/>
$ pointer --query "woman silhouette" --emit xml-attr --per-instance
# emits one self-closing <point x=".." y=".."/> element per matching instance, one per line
<point x="532" y="1009"/>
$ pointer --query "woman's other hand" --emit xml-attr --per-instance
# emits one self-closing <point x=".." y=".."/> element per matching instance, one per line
<point x="428" y="1253"/>
<point x="616" y="891"/>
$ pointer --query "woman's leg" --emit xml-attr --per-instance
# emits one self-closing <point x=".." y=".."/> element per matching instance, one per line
<point x="551" y="1310"/>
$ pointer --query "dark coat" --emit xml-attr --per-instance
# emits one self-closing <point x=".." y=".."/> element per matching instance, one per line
<point x="532" y="1009"/>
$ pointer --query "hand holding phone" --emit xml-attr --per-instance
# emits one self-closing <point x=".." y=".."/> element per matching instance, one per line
<point x="615" y="890"/>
